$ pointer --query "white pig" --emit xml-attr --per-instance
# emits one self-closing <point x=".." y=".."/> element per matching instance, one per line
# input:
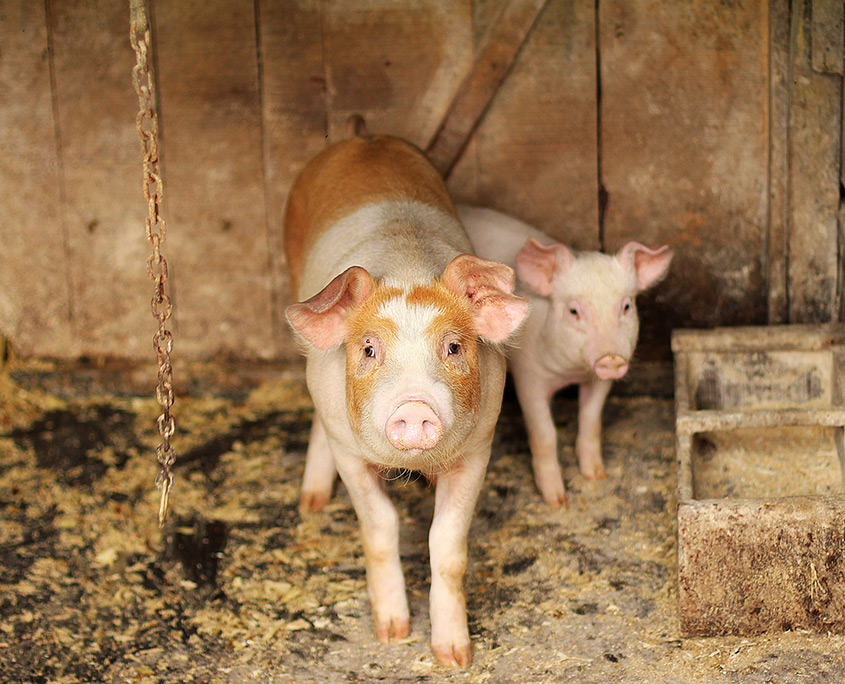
<point x="582" y="328"/>
<point x="401" y="327"/>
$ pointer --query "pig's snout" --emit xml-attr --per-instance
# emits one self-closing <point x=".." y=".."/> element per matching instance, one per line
<point x="414" y="425"/>
<point x="610" y="367"/>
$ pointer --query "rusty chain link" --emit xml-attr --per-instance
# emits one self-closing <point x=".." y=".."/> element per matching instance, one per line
<point x="161" y="305"/>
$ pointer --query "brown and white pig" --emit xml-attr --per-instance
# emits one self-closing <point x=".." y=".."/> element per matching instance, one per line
<point x="401" y="327"/>
<point x="582" y="328"/>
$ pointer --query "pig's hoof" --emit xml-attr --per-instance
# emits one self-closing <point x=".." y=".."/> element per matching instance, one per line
<point x="557" y="499"/>
<point x="394" y="628"/>
<point x="554" y="494"/>
<point x="313" y="501"/>
<point x="453" y="655"/>
<point x="596" y="472"/>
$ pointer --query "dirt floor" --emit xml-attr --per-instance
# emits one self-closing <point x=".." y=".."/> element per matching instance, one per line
<point x="238" y="587"/>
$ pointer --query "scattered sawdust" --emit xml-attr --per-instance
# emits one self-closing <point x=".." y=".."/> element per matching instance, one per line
<point x="238" y="587"/>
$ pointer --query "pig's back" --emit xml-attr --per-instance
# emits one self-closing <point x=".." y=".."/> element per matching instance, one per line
<point x="497" y="236"/>
<point x="400" y="243"/>
<point x="348" y="176"/>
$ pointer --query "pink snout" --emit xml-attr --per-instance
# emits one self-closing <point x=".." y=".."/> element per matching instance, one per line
<point x="414" y="425"/>
<point x="610" y="367"/>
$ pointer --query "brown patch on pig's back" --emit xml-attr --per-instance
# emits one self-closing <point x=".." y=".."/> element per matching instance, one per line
<point x="350" y="175"/>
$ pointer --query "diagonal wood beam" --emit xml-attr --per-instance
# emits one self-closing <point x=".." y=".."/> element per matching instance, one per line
<point x="492" y="64"/>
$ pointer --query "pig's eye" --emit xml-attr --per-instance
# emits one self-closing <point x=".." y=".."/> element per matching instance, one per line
<point x="371" y="355"/>
<point x="574" y="312"/>
<point x="370" y="348"/>
<point x="626" y="306"/>
<point x="453" y="355"/>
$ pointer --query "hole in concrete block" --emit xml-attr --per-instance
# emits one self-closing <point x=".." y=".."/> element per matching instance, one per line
<point x="766" y="462"/>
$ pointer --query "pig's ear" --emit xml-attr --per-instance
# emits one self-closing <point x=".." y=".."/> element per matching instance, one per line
<point x="537" y="265"/>
<point x="496" y="311"/>
<point x="322" y="319"/>
<point x="650" y="265"/>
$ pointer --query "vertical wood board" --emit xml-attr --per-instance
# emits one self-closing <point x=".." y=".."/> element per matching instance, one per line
<point x="34" y="288"/>
<point x="213" y="172"/>
<point x="101" y="162"/>
<point x="778" y="222"/>
<point x="463" y="181"/>
<point x="828" y="36"/>
<point x="684" y="138"/>
<point x="294" y="126"/>
<point x="398" y="63"/>
<point x="535" y="148"/>
<point x="814" y="161"/>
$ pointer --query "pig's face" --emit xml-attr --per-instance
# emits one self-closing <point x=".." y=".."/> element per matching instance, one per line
<point x="413" y="385"/>
<point x="412" y="378"/>
<point x="594" y="310"/>
<point x="592" y="299"/>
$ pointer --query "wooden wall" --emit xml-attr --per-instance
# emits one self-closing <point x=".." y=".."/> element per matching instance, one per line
<point x="713" y="127"/>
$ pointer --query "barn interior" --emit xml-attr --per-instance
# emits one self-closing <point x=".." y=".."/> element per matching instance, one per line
<point x="714" y="128"/>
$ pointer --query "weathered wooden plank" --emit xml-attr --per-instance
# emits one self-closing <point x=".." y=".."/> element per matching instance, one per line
<point x="495" y="58"/>
<point x="828" y="36"/>
<point x="814" y="163"/>
<point x="34" y="286"/>
<point x="685" y="147"/>
<point x="101" y="166"/>
<point x="398" y="63"/>
<point x="841" y="218"/>
<point x="778" y="161"/>
<point x="214" y="191"/>
<point x="294" y="125"/>
<point x="534" y="154"/>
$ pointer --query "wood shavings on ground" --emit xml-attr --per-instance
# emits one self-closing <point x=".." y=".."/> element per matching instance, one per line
<point x="238" y="587"/>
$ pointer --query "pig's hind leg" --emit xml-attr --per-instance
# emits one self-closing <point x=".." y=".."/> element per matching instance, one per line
<point x="379" y="523"/>
<point x="320" y="471"/>
<point x="591" y="398"/>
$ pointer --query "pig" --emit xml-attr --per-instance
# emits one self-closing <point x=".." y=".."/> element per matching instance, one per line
<point x="582" y="328"/>
<point x="403" y="330"/>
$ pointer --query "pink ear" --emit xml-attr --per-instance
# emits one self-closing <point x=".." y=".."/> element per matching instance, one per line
<point x="537" y="265"/>
<point x="651" y="265"/>
<point x="496" y="311"/>
<point x="322" y="319"/>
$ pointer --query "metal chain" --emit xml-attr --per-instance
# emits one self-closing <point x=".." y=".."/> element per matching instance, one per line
<point x="162" y="307"/>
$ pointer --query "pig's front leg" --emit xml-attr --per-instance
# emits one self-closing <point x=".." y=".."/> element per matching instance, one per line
<point x="320" y="472"/>
<point x="591" y="397"/>
<point x="454" y="502"/>
<point x="534" y="397"/>
<point x="379" y="525"/>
